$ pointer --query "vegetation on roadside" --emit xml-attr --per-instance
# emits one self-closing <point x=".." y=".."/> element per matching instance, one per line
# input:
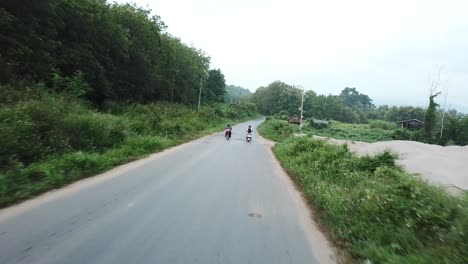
<point x="275" y="129"/>
<point x="49" y="140"/>
<point x="373" y="132"/>
<point x="353" y="107"/>
<point x="373" y="209"/>
<point x="355" y="132"/>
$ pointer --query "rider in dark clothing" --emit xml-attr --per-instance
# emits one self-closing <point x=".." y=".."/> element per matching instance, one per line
<point x="249" y="130"/>
<point x="228" y="130"/>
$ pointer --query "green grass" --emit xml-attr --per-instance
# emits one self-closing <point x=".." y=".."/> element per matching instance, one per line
<point x="276" y="130"/>
<point x="372" y="208"/>
<point x="356" y="132"/>
<point x="383" y="125"/>
<point x="49" y="141"/>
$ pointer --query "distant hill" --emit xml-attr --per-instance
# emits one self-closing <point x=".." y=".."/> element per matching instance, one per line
<point x="235" y="93"/>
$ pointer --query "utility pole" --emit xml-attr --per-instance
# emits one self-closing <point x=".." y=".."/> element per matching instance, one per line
<point x="199" y="94"/>
<point x="302" y="109"/>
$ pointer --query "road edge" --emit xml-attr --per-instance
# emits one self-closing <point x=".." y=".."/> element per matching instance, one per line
<point x="317" y="234"/>
<point x="76" y="186"/>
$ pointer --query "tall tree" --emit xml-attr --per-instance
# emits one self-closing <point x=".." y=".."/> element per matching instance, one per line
<point x="430" y="118"/>
<point x="352" y="98"/>
<point x="123" y="51"/>
<point x="215" y="87"/>
<point x="277" y="96"/>
<point x="235" y="94"/>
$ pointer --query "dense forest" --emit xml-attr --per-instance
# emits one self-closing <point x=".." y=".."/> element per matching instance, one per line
<point x="120" y="52"/>
<point x="351" y="106"/>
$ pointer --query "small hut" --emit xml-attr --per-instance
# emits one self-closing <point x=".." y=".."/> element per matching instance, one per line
<point x="411" y="124"/>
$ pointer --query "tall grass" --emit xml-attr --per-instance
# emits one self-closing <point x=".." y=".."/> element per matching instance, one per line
<point x="372" y="208"/>
<point x="383" y="125"/>
<point x="50" y="140"/>
<point x="356" y="132"/>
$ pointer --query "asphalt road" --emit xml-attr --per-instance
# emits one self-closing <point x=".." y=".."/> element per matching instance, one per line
<point x="208" y="201"/>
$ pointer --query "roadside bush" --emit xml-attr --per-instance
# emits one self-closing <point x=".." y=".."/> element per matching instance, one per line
<point x="383" y="125"/>
<point x="51" y="139"/>
<point x="276" y="129"/>
<point x="372" y="208"/>
<point x="31" y="130"/>
<point x="406" y="134"/>
<point x="357" y="134"/>
<point x="94" y="131"/>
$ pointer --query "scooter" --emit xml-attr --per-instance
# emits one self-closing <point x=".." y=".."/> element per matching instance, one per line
<point x="248" y="137"/>
<point x="227" y="134"/>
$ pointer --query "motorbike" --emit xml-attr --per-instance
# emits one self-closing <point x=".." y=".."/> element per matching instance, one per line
<point x="227" y="133"/>
<point x="248" y="138"/>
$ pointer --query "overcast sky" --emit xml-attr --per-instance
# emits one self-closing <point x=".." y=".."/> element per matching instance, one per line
<point x="386" y="49"/>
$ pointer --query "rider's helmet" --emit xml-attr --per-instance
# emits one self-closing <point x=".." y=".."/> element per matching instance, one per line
<point x="229" y="125"/>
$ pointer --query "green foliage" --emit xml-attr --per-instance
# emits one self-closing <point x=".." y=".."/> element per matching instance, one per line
<point x="75" y="85"/>
<point x="276" y="97"/>
<point x="357" y="132"/>
<point x="430" y="118"/>
<point x="455" y="130"/>
<point x="372" y="208"/>
<point x="105" y="51"/>
<point x="383" y="125"/>
<point x="329" y="107"/>
<point x="236" y="94"/>
<point x="277" y="130"/>
<point x="215" y="86"/>
<point x="405" y="134"/>
<point x="352" y="98"/>
<point x="395" y="114"/>
<point x="50" y="140"/>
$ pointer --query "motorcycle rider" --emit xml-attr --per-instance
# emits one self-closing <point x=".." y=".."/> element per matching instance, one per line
<point x="228" y="130"/>
<point x="249" y="134"/>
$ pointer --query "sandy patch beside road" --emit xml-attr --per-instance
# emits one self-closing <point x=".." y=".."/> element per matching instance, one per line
<point x="436" y="164"/>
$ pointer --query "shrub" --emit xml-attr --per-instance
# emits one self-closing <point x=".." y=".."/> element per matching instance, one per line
<point x="383" y="125"/>
<point x="94" y="131"/>
<point x="276" y="129"/>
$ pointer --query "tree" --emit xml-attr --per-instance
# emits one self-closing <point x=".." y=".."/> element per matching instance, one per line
<point x="215" y="86"/>
<point x="277" y="96"/>
<point x="123" y="51"/>
<point x="430" y="118"/>
<point x="352" y="98"/>
<point x="235" y="94"/>
<point x="399" y="113"/>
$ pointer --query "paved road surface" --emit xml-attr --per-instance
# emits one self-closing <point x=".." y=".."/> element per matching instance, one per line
<point x="208" y="201"/>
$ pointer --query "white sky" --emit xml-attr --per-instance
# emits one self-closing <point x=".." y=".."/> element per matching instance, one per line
<point x="386" y="49"/>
